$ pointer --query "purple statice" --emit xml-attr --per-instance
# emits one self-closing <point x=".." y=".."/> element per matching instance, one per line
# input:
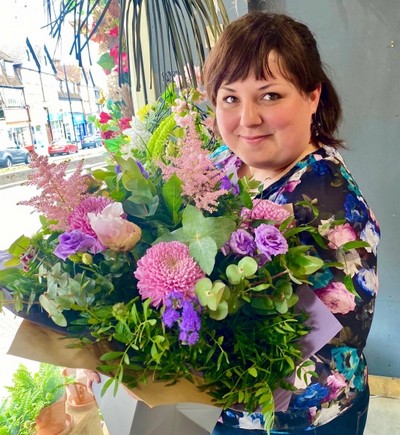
<point x="142" y="170"/>
<point x="184" y="312"/>
<point x="242" y="243"/>
<point x="170" y="316"/>
<point x="190" y="322"/>
<point x="73" y="242"/>
<point x="270" y="241"/>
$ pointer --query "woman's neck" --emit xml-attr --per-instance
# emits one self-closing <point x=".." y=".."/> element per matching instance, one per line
<point x="268" y="176"/>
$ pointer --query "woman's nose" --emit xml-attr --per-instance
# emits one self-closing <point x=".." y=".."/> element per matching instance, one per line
<point x="251" y="115"/>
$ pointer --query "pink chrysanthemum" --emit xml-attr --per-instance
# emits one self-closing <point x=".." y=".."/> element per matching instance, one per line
<point x="78" y="219"/>
<point x="167" y="267"/>
<point x="264" y="209"/>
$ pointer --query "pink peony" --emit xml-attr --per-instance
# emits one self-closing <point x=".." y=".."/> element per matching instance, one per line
<point x="337" y="298"/>
<point x="340" y="235"/>
<point x="113" y="230"/>
<point x="78" y="219"/>
<point x="265" y="209"/>
<point x="167" y="267"/>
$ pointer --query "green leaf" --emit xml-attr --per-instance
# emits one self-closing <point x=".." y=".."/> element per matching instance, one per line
<point x="221" y="312"/>
<point x="253" y="372"/>
<point x="113" y="145"/>
<point x="111" y="355"/>
<point x="248" y="266"/>
<point x="172" y="193"/>
<point x="308" y="264"/>
<point x="19" y="246"/>
<point x="234" y="274"/>
<point x="204" y="250"/>
<point x="8" y="276"/>
<point x="355" y="245"/>
<point x="106" y="61"/>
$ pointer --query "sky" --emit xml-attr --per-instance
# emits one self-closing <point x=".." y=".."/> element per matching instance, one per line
<point x="22" y="18"/>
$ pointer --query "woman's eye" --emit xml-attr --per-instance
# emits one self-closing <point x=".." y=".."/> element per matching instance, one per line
<point x="230" y="99"/>
<point x="271" y="96"/>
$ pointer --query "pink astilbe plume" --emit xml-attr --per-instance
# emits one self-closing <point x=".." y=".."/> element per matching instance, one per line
<point x="59" y="194"/>
<point x="194" y="168"/>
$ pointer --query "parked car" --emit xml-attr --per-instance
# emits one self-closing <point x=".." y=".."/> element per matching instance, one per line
<point x="61" y="146"/>
<point x="93" y="141"/>
<point x="11" y="154"/>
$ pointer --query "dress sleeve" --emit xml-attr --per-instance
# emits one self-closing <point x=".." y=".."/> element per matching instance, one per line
<point x="331" y="188"/>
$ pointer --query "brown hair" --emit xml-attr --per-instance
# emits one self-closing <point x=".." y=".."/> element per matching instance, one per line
<point x="245" y="46"/>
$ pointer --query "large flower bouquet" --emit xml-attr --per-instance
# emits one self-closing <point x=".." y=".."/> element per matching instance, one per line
<point x="169" y="258"/>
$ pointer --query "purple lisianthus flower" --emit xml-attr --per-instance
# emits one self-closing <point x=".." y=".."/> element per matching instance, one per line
<point x="73" y="242"/>
<point x="242" y="242"/>
<point x="270" y="241"/>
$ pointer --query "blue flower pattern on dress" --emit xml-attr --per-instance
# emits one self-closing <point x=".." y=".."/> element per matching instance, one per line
<point x="340" y="365"/>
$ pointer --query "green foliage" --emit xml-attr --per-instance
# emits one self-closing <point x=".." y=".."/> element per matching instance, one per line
<point x="27" y="396"/>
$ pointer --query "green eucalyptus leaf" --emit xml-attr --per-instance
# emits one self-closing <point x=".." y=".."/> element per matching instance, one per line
<point x="234" y="274"/>
<point x="281" y="306"/>
<point x="221" y="312"/>
<point x="248" y="266"/>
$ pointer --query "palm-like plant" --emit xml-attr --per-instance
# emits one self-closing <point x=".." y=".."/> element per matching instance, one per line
<point x="179" y="32"/>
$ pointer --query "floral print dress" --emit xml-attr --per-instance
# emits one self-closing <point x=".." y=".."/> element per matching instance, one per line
<point x="323" y="178"/>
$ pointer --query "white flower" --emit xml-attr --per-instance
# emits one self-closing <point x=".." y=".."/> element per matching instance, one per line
<point x="138" y="135"/>
<point x="246" y="422"/>
<point x="327" y="414"/>
<point x="325" y="226"/>
<point x="351" y="261"/>
<point x="369" y="235"/>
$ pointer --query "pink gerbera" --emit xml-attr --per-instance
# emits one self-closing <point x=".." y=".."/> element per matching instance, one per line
<point x="78" y="219"/>
<point x="265" y="209"/>
<point x="167" y="267"/>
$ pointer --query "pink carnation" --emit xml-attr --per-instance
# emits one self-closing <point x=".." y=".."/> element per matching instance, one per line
<point x="265" y="209"/>
<point x="78" y="219"/>
<point x="167" y="267"/>
<point x="337" y="298"/>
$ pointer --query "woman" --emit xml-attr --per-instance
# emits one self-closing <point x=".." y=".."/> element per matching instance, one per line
<point x="277" y="110"/>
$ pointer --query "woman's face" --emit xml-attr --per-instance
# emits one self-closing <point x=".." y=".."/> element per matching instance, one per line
<point x="266" y="122"/>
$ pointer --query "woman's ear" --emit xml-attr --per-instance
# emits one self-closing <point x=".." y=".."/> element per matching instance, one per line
<point x="315" y="96"/>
